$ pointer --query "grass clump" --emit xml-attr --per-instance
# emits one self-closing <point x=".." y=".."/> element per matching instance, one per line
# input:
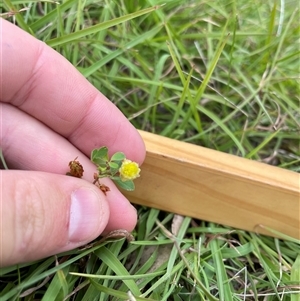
<point x="224" y="75"/>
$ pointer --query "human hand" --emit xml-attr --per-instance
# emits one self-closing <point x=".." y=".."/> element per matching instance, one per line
<point x="50" y="114"/>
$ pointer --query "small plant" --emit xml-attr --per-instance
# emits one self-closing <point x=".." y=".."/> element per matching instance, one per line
<point x="121" y="170"/>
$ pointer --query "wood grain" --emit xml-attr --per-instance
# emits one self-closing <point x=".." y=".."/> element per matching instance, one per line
<point x="209" y="185"/>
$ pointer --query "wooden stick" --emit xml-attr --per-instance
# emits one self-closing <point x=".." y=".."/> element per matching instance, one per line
<point x="213" y="186"/>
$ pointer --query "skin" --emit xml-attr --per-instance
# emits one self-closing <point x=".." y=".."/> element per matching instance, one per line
<point x="50" y="114"/>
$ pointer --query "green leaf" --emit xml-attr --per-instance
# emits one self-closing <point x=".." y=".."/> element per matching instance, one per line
<point x="99" y="156"/>
<point x="102" y="169"/>
<point x="114" y="167"/>
<point x="119" y="156"/>
<point x="127" y="185"/>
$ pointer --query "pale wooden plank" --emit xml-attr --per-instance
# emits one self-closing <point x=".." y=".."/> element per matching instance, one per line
<point x="206" y="184"/>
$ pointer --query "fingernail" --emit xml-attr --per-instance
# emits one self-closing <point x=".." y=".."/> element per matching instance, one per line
<point x="85" y="215"/>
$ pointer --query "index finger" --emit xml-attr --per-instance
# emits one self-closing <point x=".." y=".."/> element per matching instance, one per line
<point x="40" y="82"/>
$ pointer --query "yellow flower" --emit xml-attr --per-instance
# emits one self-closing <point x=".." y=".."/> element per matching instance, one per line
<point x="129" y="170"/>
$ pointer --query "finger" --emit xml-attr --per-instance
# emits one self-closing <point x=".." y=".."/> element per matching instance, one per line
<point x="39" y="81"/>
<point x="44" y="214"/>
<point x="33" y="146"/>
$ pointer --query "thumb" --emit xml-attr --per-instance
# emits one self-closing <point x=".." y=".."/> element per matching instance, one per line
<point x="43" y="214"/>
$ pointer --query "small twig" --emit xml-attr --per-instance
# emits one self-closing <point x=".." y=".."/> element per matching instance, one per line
<point x="33" y="289"/>
<point x="13" y="13"/>
<point x="115" y="234"/>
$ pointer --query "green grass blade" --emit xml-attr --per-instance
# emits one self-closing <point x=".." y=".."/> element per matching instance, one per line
<point x="210" y="70"/>
<point x="192" y="110"/>
<point x="51" y="16"/>
<point x="109" y="258"/>
<point x="117" y="277"/>
<point x="262" y="145"/>
<point x="114" y="54"/>
<point x="220" y="270"/>
<point x="18" y="15"/>
<point x="116" y="293"/>
<point x="295" y="277"/>
<point x="96" y="28"/>
<point x="222" y="125"/>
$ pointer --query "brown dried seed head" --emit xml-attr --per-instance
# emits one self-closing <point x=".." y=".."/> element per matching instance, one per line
<point x="76" y="169"/>
<point x="104" y="188"/>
